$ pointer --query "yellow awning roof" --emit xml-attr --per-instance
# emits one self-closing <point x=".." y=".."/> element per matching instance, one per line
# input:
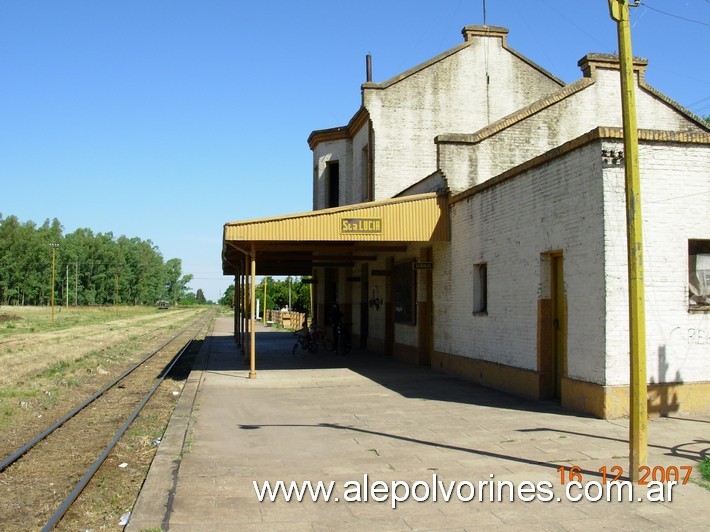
<point x="340" y="236"/>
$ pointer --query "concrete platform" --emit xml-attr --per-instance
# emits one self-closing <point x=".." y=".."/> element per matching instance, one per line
<point x="326" y="418"/>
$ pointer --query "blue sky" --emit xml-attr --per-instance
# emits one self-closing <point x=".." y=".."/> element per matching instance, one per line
<point x="165" y="119"/>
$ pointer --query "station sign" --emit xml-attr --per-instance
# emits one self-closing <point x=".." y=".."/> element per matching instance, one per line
<point x="423" y="265"/>
<point x="361" y="226"/>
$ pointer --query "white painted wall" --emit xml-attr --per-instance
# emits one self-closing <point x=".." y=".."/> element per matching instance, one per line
<point x="458" y="92"/>
<point x="675" y="180"/>
<point x="557" y="206"/>
<point x="341" y="151"/>
<point x="576" y="204"/>
<point x="599" y="104"/>
<point x="357" y="186"/>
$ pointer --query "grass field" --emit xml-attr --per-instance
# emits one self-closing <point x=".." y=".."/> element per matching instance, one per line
<point x="42" y="364"/>
<point x="45" y="370"/>
<point x="18" y="320"/>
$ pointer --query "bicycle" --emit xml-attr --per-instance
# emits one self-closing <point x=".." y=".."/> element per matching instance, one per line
<point x="343" y="346"/>
<point x="320" y="336"/>
<point x="306" y="341"/>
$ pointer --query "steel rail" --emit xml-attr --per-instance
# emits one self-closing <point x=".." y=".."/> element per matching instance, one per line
<point x="99" y="461"/>
<point x="29" y="445"/>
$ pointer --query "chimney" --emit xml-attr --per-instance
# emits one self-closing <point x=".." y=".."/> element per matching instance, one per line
<point x="471" y="32"/>
<point x="591" y="62"/>
<point x="368" y="67"/>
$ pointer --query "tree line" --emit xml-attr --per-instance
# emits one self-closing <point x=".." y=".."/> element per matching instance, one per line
<point x="90" y="268"/>
<point x="290" y="292"/>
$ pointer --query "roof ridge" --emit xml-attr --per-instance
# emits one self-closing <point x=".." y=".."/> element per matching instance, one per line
<point x="339" y="208"/>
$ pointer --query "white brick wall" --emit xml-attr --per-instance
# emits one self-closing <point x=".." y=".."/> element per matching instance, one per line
<point x="461" y="93"/>
<point x="675" y="180"/>
<point x="557" y="206"/>
<point x="357" y="186"/>
<point x="599" y="104"/>
<point x="325" y="152"/>
<point x="573" y="204"/>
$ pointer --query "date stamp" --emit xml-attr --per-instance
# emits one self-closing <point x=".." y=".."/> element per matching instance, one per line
<point x="657" y="483"/>
<point x="678" y="474"/>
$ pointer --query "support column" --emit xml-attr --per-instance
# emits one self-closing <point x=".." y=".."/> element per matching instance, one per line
<point x="424" y="309"/>
<point x="389" y="308"/>
<point x="252" y="341"/>
<point x="244" y="307"/>
<point x="235" y="306"/>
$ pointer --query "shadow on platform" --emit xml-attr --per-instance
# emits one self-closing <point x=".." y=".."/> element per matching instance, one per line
<point x="274" y="352"/>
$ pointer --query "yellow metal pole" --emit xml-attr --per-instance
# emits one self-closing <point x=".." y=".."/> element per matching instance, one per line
<point x="235" y="306"/>
<point x="263" y="317"/>
<point x="252" y="340"/>
<point x="245" y="304"/>
<point x="638" y="413"/>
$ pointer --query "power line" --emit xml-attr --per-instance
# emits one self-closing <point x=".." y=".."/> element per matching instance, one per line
<point x="571" y="21"/>
<point x="701" y="100"/>
<point x="674" y="16"/>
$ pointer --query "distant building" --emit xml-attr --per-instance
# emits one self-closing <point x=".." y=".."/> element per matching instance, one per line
<point x="471" y="217"/>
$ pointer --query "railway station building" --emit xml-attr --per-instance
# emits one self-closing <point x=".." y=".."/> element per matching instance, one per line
<point x="471" y="217"/>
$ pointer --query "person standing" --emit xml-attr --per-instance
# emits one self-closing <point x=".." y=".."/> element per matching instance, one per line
<point x="336" y="317"/>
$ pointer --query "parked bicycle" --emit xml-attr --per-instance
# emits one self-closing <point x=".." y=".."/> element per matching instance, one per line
<point x="343" y="344"/>
<point x="306" y="338"/>
<point x="306" y="342"/>
<point x="321" y="337"/>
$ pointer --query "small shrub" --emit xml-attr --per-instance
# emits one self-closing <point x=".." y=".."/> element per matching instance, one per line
<point x="56" y="369"/>
<point x="11" y="391"/>
<point x="704" y="468"/>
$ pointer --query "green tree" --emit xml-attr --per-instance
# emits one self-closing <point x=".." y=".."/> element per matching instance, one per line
<point x="277" y="294"/>
<point x="227" y="299"/>
<point x="200" y="297"/>
<point x="89" y="266"/>
<point x="188" y="298"/>
<point x="176" y="285"/>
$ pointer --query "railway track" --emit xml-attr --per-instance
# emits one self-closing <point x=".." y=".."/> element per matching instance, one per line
<point x="43" y="478"/>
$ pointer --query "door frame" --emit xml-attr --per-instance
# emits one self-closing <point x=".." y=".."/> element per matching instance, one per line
<point x="552" y="326"/>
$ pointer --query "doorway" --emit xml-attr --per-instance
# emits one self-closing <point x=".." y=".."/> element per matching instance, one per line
<point x="552" y="326"/>
<point x="559" y="323"/>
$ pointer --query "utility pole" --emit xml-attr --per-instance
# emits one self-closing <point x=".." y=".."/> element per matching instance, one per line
<point x="638" y="410"/>
<point x="76" y="284"/>
<point x="54" y="249"/>
<point x="115" y="299"/>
